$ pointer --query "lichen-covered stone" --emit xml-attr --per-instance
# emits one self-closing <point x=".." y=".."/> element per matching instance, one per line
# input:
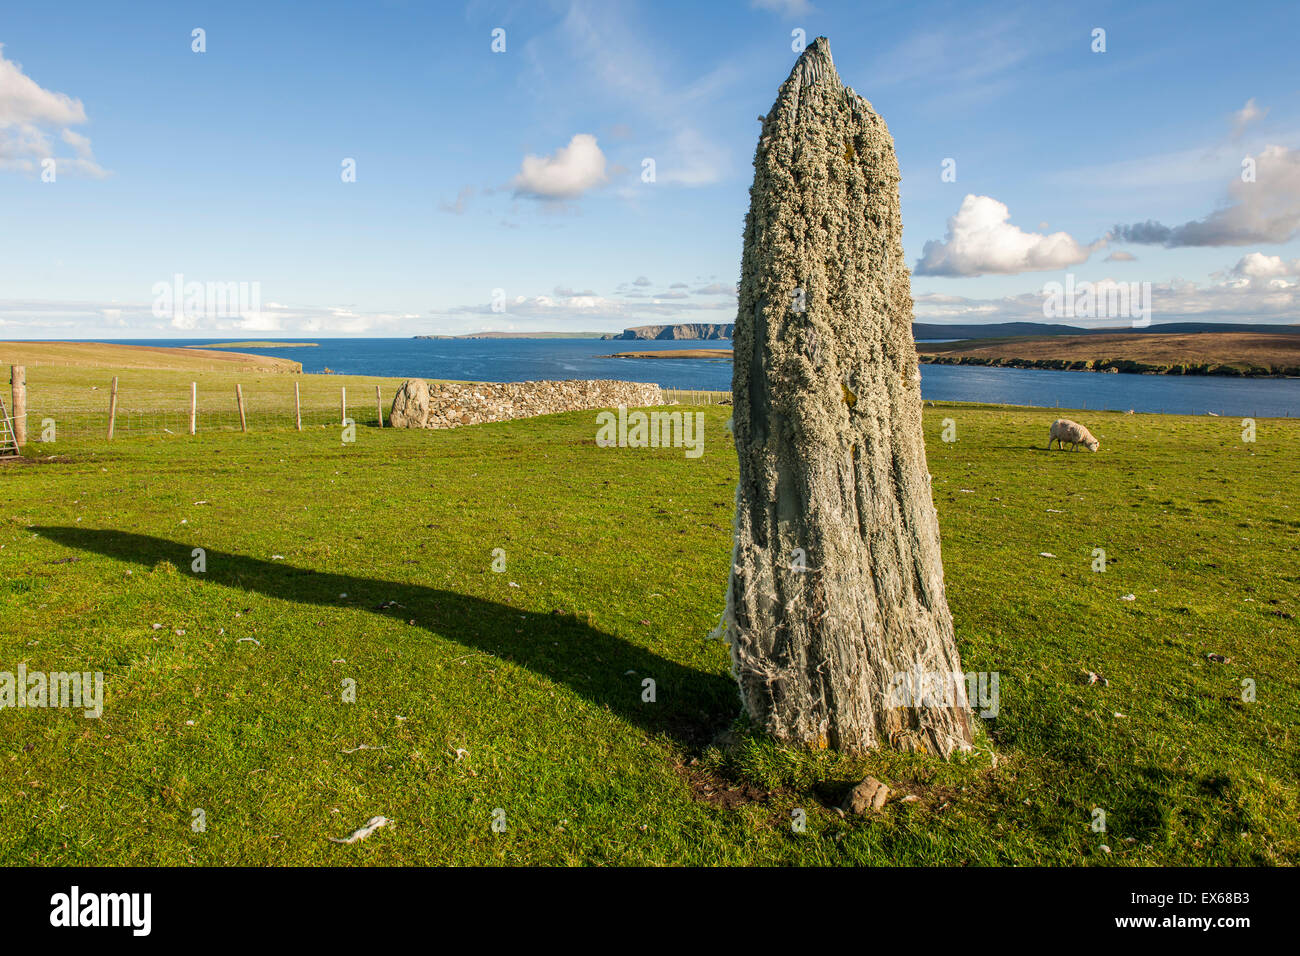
<point x="420" y="404"/>
<point x="410" y="405"/>
<point x="837" y="584"/>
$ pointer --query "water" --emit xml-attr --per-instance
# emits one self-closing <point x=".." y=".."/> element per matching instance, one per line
<point x="519" y="360"/>
<point x="1175" y="394"/>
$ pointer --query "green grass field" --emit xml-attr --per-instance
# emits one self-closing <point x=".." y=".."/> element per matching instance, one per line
<point x="150" y="400"/>
<point x="521" y="691"/>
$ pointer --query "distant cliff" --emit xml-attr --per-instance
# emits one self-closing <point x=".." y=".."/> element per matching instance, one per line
<point x="690" y="330"/>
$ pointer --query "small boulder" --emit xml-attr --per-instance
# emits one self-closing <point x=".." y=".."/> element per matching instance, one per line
<point x="870" y="794"/>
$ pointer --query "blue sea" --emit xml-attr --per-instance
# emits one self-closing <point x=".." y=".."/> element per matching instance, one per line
<point x="520" y="360"/>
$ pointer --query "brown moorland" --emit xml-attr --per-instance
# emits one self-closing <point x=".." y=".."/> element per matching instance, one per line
<point x="1203" y="353"/>
<point x="106" y="355"/>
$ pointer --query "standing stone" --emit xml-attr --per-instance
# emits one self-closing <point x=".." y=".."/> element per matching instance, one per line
<point x="410" y="405"/>
<point x="836" y="611"/>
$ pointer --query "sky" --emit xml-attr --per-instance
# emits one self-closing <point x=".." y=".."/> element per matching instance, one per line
<point x="396" y="168"/>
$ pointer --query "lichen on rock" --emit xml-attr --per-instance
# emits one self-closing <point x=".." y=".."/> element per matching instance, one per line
<point x="827" y="424"/>
<point x="420" y="404"/>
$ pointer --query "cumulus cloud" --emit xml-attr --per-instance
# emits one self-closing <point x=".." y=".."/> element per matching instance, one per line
<point x="1256" y="265"/>
<point x="1245" y="116"/>
<point x="1119" y="255"/>
<point x="980" y="239"/>
<point x="1264" y="210"/>
<point x="566" y="174"/>
<point x="29" y="116"/>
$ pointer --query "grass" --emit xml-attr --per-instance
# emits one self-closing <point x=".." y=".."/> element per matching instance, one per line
<point x="150" y="399"/>
<point x="616" y="562"/>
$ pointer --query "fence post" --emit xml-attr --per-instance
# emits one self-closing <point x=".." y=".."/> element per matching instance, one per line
<point x="297" y="405"/>
<point x="194" y="407"/>
<point x="343" y="404"/>
<point x="379" y="406"/>
<point x="239" y="397"/>
<point x="112" y="408"/>
<point x="18" y="378"/>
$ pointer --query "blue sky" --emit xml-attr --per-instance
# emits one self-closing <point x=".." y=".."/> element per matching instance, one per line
<point x="225" y="166"/>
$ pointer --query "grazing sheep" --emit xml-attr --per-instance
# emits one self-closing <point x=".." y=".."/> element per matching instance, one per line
<point x="1064" y="430"/>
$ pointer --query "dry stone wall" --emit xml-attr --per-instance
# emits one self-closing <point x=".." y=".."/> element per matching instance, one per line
<point x="420" y="404"/>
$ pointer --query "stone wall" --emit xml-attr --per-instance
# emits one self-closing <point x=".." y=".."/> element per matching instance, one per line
<point x="420" y="404"/>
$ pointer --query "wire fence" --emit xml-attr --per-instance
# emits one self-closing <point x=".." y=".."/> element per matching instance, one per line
<point x="692" y="396"/>
<point x="45" y="425"/>
<point x="52" y="418"/>
<point x="265" y="409"/>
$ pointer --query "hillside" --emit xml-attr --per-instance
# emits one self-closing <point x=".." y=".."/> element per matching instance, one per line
<point x="999" y="330"/>
<point x="107" y="355"/>
<point x="1204" y="353"/>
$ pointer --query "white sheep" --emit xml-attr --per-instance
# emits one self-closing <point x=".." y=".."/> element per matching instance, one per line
<point x="1064" y="430"/>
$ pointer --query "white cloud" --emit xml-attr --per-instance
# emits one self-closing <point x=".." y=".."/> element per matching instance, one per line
<point x="566" y="174"/>
<point x="1119" y="255"/>
<point x="599" y="55"/>
<point x="34" y="318"/>
<point x="80" y="144"/>
<point x="980" y="240"/>
<point x="260" y="322"/>
<point x="1245" y="116"/>
<point x="29" y="114"/>
<point x="24" y="101"/>
<point x="1234" y="299"/>
<point x="1256" y="265"/>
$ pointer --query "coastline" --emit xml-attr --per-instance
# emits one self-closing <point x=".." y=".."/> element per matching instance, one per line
<point x="1113" y="366"/>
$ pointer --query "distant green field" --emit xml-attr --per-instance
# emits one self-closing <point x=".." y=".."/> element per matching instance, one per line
<point x="517" y="696"/>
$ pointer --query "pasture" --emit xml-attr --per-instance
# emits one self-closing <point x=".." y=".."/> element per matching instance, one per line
<point x="516" y="696"/>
